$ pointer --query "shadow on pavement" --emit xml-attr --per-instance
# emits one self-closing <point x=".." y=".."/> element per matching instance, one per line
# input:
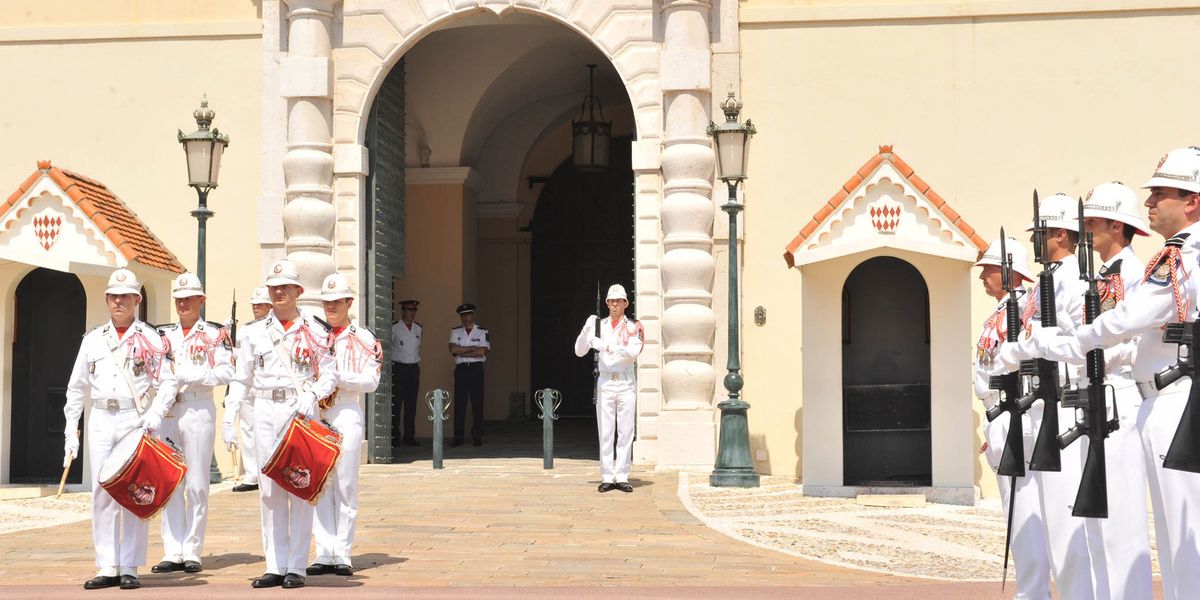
<point x="574" y="438"/>
<point x="221" y="561"/>
<point x="375" y="559"/>
<point x="172" y="580"/>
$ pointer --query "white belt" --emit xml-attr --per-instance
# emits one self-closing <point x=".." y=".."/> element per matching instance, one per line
<point x="616" y="376"/>
<point x="1147" y="388"/>
<point x="113" y="404"/>
<point x="204" y="393"/>
<point x="275" y="395"/>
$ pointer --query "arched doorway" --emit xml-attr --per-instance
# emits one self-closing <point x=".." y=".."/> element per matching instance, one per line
<point x="582" y="243"/>
<point x="46" y="339"/>
<point x="886" y="375"/>
<point x="468" y="141"/>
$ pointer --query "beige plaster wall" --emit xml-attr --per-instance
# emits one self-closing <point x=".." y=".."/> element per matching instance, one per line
<point x="434" y="274"/>
<point x="985" y="109"/>
<point x="108" y="108"/>
<point x="41" y="13"/>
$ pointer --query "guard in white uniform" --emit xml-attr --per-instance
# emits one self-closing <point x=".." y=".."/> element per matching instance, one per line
<point x="260" y="305"/>
<point x="359" y="357"/>
<point x="1167" y="294"/>
<point x="1031" y="556"/>
<point x="1069" y="554"/>
<point x="406" y="373"/>
<point x="119" y="366"/>
<point x="619" y="344"/>
<point x="469" y="345"/>
<point x="1120" y="544"/>
<point x="285" y="360"/>
<point x="202" y="360"/>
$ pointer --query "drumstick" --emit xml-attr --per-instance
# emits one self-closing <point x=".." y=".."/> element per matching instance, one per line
<point x="62" y="481"/>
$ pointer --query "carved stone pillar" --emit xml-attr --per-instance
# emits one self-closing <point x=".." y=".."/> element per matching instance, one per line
<point x="307" y="84"/>
<point x="686" y="431"/>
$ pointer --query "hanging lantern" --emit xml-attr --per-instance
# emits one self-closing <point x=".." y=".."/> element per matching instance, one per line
<point x="591" y="135"/>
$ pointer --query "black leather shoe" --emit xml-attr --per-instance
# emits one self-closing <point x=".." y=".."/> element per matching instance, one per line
<point x="245" y="487"/>
<point x="292" y="581"/>
<point x="624" y="487"/>
<point x="130" y="582"/>
<point x="606" y="487"/>
<point x="343" y="570"/>
<point x="167" y="566"/>
<point x="192" y="566"/>
<point x="455" y="443"/>
<point x="100" y="582"/>
<point x="318" y="569"/>
<point x="267" y="580"/>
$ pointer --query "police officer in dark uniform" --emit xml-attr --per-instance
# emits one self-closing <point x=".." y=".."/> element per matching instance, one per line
<point x="469" y="345"/>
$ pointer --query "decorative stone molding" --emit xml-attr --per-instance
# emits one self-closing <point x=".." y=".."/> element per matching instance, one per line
<point x="308" y="213"/>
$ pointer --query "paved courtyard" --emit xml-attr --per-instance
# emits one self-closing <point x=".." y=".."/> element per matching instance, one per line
<point x="494" y="524"/>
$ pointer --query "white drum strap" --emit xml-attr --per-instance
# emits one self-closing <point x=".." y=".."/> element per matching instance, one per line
<point x="139" y="402"/>
<point x="277" y="342"/>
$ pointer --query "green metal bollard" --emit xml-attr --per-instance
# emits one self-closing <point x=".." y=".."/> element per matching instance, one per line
<point x="548" y="400"/>
<point x="439" y="401"/>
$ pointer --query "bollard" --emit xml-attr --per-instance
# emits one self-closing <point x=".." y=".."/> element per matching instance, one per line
<point x="548" y="400"/>
<point x="438" y="401"/>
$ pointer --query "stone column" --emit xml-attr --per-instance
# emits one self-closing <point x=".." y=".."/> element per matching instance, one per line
<point x="686" y="429"/>
<point x="307" y="85"/>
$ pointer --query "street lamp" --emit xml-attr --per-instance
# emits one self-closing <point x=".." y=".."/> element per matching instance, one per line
<point x="734" y="466"/>
<point x="203" y="149"/>
<point x="591" y="137"/>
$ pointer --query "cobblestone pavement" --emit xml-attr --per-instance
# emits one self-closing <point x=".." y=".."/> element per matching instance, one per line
<point x="958" y="543"/>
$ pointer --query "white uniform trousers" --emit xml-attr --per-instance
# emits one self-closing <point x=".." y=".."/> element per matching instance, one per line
<point x="117" y="534"/>
<point x="1174" y="494"/>
<point x="250" y="461"/>
<point x="337" y="508"/>
<point x="1030" y="554"/>
<point x="1070" y="560"/>
<point x="1120" y="544"/>
<point x="286" y="520"/>
<point x="616" y="406"/>
<point x="184" y="518"/>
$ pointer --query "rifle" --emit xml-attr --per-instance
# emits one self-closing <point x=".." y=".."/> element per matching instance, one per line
<point x="1184" y="452"/>
<point x="1012" y="460"/>
<point x="596" y="353"/>
<point x="233" y="320"/>
<point x="1042" y="373"/>
<point x="1092" y="498"/>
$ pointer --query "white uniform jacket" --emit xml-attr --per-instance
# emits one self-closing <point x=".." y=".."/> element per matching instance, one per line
<point x="620" y="343"/>
<point x="309" y="363"/>
<point x="141" y="353"/>
<point x="203" y="357"/>
<point x="406" y="343"/>
<point x="359" y="359"/>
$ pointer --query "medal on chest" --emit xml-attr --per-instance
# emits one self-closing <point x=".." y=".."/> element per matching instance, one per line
<point x="197" y="353"/>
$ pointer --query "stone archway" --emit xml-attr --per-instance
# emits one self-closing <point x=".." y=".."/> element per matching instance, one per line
<point x="662" y="53"/>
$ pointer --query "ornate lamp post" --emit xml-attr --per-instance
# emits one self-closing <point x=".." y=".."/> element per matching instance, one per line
<point x="734" y="466"/>
<point x="203" y="149"/>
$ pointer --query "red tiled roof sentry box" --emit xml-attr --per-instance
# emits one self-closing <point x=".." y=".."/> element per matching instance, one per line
<point x="110" y="216"/>
<point x="885" y="201"/>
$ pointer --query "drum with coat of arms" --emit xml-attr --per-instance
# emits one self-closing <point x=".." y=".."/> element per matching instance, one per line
<point x="142" y="472"/>
<point x="303" y="457"/>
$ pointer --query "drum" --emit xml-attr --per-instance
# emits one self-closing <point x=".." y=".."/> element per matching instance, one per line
<point x="304" y="456"/>
<point x="142" y="472"/>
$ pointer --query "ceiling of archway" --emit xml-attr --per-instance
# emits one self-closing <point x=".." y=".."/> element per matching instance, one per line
<point x="484" y="90"/>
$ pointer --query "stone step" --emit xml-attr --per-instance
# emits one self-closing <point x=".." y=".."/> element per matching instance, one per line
<point x="891" y="500"/>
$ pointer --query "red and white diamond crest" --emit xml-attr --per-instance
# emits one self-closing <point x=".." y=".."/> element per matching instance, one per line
<point x="885" y="215"/>
<point x="46" y="226"/>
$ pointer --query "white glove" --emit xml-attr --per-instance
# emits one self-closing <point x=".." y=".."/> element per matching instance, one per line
<point x="596" y="343"/>
<point x="150" y="421"/>
<point x="591" y="322"/>
<point x="1043" y="336"/>
<point x="307" y="405"/>
<point x="70" y="447"/>
<point x="229" y="435"/>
